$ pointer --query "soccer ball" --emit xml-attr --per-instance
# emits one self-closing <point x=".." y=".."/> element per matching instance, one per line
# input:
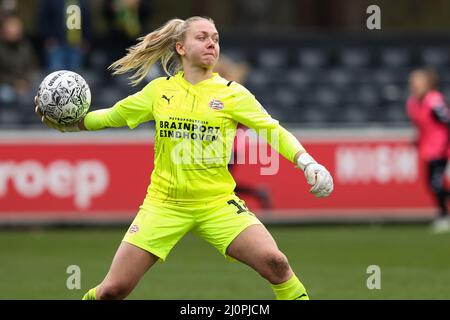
<point x="64" y="97"/>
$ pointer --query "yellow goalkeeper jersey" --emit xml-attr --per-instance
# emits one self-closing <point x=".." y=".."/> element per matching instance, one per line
<point x="195" y="130"/>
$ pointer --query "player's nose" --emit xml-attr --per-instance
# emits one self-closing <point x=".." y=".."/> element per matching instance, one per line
<point x="210" y="43"/>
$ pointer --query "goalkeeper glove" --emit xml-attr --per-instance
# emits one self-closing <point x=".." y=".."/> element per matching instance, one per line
<point x="316" y="175"/>
<point x="73" y="127"/>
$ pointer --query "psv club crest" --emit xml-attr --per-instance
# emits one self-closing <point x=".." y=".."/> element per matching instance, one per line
<point x="216" y="104"/>
<point x="134" y="228"/>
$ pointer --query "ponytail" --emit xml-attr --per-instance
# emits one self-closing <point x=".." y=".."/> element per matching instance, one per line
<point x="158" y="45"/>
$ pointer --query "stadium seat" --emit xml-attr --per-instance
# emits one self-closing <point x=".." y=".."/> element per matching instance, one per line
<point x="257" y="78"/>
<point x="108" y="96"/>
<point x="361" y="75"/>
<point x="92" y="77"/>
<point x="355" y="58"/>
<point x="10" y="117"/>
<point x="393" y="93"/>
<point x="396" y="113"/>
<point x="314" y="115"/>
<point x="235" y="54"/>
<point x="385" y="75"/>
<point x="271" y="58"/>
<point x="286" y="96"/>
<point x="355" y="114"/>
<point x="435" y="57"/>
<point x="367" y="95"/>
<point x="99" y="61"/>
<point x="267" y="101"/>
<point x="339" y="77"/>
<point x="395" y="57"/>
<point x="327" y="96"/>
<point x="313" y="58"/>
<point x="299" y="78"/>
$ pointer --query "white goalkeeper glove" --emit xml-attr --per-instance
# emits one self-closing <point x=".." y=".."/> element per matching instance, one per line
<point x="316" y="175"/>
<point x="73" y="127"/>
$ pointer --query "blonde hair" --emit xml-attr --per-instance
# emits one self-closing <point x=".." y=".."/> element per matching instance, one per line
<point x="158" y="45"/>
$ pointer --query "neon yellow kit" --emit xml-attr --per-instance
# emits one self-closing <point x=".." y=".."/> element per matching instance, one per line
<point x="191" y="187"/>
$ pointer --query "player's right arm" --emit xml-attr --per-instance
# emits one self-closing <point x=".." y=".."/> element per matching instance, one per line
<point x="131" y="111"/>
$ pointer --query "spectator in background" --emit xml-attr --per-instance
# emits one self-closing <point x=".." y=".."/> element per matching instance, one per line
<point x="17" y="60"/>
<point x="232" y="70"/>
<point x="429" y="112"/>
<point x="126" y="20"/>
<point x="64" y="48"/>
<point x="7" y="7"/>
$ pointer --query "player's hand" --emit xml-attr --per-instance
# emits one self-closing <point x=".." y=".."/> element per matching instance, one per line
<point x="74" y="127"/>
<point x="316" y="175"/>
<point x="321" y="180"/>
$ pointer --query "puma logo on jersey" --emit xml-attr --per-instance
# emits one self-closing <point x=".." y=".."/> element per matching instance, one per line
<point x="168" y="99"/>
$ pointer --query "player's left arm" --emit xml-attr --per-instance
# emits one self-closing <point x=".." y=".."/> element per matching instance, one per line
<point x="248" y="111"/>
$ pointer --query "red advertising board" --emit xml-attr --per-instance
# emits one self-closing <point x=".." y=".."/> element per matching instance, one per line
<point x="91" y="176"/>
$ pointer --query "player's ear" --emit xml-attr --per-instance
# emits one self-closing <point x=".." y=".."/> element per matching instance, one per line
<point x="179" y="47"/>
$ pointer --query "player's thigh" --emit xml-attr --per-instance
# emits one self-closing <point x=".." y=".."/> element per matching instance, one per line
<point x="223" y="222"/>
<point x="253" y="245"/>
<point x="158" y="228"/>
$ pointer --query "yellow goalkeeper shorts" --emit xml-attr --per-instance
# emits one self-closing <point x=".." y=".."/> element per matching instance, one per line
<point x="159" y="226"/>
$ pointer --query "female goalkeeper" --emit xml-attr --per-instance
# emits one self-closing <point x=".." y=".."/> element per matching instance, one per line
<point x="196" y="113"/>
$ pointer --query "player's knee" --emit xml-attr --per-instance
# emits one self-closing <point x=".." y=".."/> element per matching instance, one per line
<point x="112" y="291"/>
<point x="277" y="266"/>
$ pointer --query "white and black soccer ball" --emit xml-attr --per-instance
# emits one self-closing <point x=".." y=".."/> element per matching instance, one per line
<point x="64" y="97"/>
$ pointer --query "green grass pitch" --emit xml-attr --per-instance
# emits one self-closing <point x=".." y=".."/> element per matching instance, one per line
<point x="330" y="260"/>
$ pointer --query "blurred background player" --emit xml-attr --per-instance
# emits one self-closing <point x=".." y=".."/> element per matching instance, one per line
<point x="427" y="109"/>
